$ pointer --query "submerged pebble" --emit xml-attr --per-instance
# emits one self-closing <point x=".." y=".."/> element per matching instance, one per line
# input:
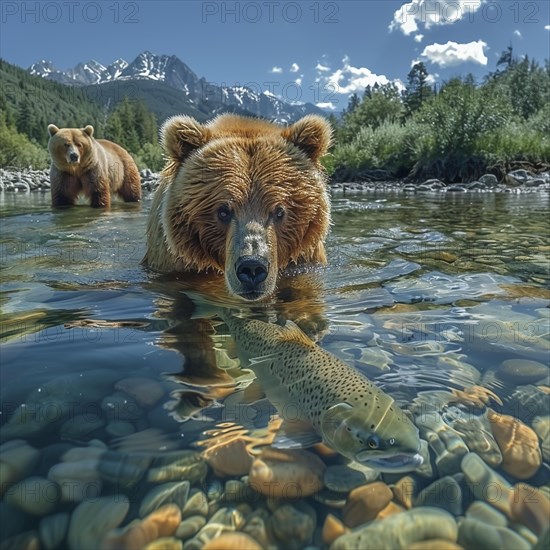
<point x="519" y="445"/>
<point x="93" y="519"/>
<point x="443" y="493"/>
<point x="17" y="458"/>
<point x="167" y="493"/>
<point x="232" y="541"/>
<point x="163" y="522"/>
<point x="53" y="529"/>
<point x="530" y="507"/>
<point x="292" y="526"/>
<point x="37" y="496"/>
<point x="472" y="533"/>
<point x="400" y="530"/>
<point x="486" y="484"/>
<point x="286" y="473"/>
<point x="522" y="371"/>
<point x="366" y="502"/>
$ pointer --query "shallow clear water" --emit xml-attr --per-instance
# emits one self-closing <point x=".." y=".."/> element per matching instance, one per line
<point x="423" y="293"/>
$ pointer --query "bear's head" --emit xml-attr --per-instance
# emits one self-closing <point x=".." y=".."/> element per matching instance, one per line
<point x="69" y="146"/>
<point x="246" y="197"/>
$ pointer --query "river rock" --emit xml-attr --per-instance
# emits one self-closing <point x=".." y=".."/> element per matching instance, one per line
<point x="489" y="180"/>
<point x="146" y="391"/>
<point x="522" y="371"/>
<point x="93" y="519"/>
<point x="123" y="469"/>
<point x="406" y="489"/>
<point x="400" y="530"/>
<point x="17" y="459"/>
<point x="22" y="541"/>
<point x="286" y="473"/>
<point x="232" y="541"/>
<point x="486" y="484"/>
<point x="167" y="493"/>
<point x="343" y="479"/>
<point x="119" y="428"/>
<point x="443" y="493"/>
<point x="256" y="527"/>
<point x="229" y="458"/>
<point x="519" y="445"/>
<point x="531" y="508"/>
<point x="529" y="401"/>
<point x="292" y="526"/>
<point x="477" y="434"/>
<point x="434" y="544"/>
<point x="165" y="543"/>
<point x="80" y="427"/>
<point x="475" y="534"/>
<point x="485" y="513"/>
<point x="53" y="529"/>
<point x="120" y="407"/>
<point x="332" y="529"/>
<point x="163" y="522"/>
<point x="391" y="509"/>
<point x="35" y="495"/>
<point x="517" y="177"/>
<point x="197" y="504"/>
<point x="364" y="503"/>
<point x="225" y="520"/>
<point x="446" y="442"/>
<point x="190" y="526"/>
<point x="541" y="425"/>
<point x="178" y="465"/>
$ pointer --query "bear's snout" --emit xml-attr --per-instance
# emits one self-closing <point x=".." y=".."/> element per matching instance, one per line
<point x="251" y="270"/>
<point x="73" y="157"/>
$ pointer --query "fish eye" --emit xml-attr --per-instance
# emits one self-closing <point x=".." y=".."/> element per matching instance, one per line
<point x="391" y="441"/>
<point x="373" y="442"/>
<point x="224" y="214"/>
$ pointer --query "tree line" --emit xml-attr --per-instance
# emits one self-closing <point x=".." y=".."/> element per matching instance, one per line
<point x="455" y="132"/>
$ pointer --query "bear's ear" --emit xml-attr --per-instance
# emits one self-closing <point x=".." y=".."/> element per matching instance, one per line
<point x="181" y="135"/>
<point x="89" y="130"/>
<point x="52" y="129"/>
<point x="311" y="134"/>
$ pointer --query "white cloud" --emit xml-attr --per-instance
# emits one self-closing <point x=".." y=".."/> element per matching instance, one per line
<point x="547" y="27"/>
<point x="326" y="105"/>
<point x="452" y="54"/>
<point x="298" y="81"/>
<point x="322" y="68"/>
<point x="276" y="70"/>
<point x="294" y="68"/>
<point x="349" y="79"/>
<point x="518" y="33"/>
<point x="432" y="12"/>
<point x="418" y="37"/>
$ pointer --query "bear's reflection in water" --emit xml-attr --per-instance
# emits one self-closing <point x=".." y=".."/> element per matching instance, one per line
<point x="211" y="370"/>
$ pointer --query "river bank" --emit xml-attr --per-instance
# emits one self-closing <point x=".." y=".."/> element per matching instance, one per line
<point x="517" y="181"/>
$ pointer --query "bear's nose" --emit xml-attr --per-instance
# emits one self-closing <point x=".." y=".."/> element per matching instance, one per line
<point x="251" y="270"/>
<point x="73" y="157"/>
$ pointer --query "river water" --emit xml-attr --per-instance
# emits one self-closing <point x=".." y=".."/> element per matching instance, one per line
<point x="441" y="299"/>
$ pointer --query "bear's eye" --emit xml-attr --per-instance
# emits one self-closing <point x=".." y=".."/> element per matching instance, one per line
<point x="224" y="214"/>
<point x="79" y="145"/>
<point x="279" y="213"/>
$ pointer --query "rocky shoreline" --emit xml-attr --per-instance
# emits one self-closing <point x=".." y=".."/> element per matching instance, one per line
<point x="518" y="181"/>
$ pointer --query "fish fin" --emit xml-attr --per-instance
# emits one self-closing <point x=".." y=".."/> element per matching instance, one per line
<point x="296" y="435"/>
<point x="293" y="333"/>
<point x="253" y="392"/>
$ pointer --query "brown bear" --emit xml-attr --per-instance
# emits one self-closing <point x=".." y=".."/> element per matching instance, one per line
<point x="240" y="196"/>
<point x="92" y="167"/>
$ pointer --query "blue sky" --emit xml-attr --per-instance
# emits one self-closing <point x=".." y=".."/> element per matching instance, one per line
<point x="319" y="51"/>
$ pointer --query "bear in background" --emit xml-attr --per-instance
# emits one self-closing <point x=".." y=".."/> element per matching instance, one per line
<point x="240" y="196"/>
<point x="92" y="167"/>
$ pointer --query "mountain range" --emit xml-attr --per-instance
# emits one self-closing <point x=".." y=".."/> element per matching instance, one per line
<point x="153" y="78"/>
